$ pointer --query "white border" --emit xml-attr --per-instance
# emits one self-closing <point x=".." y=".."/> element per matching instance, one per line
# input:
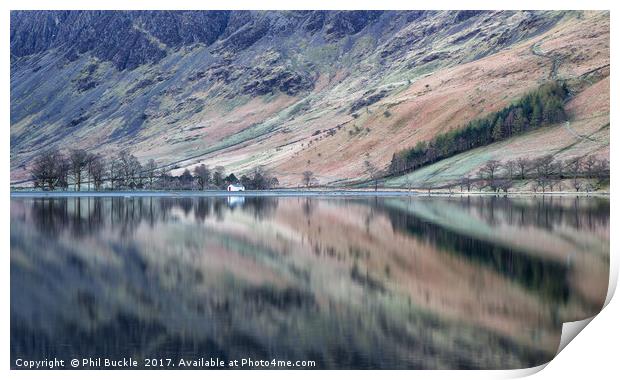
<point x="595" y="350"/>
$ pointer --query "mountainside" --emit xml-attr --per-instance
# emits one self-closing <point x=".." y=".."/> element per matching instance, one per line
<point x="326" y="91"/>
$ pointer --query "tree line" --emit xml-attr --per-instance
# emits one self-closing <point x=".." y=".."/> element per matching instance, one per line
<point x="53" y="170"/>
<point x="541" y="107"/>
<point x="544" y="173"/>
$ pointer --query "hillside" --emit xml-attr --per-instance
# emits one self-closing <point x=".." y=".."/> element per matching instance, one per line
<point x="587" y="133"/>
<point x="319" y="90"/>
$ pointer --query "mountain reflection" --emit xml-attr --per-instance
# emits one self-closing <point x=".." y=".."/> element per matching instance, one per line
<point x="419" y="282"/>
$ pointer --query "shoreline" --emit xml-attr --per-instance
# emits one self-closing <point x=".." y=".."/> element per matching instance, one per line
<point x="287" y="193"/>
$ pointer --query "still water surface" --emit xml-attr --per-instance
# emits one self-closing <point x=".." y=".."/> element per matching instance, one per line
<point x="403" y="282"/>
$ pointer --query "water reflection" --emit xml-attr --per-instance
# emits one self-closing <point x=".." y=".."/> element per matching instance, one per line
<point x="460" y="282"/>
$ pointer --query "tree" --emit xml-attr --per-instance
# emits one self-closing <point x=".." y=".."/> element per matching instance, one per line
<point x="307" y="177"/>
<point x="573" y="167"/>
<point x="46" y="170"/>
<point x="62" y="172"/>
<point x="261" y="178"/>
<point x="553" y="111"/>
<point x="511" y="168"/>
<point x="231" y="178"/>
<point x="557" y="169"/>
<point x="523" y="166"/>
<point x="504" y="184"/>
<point x="509" y="122"/>
<point x="165" y="178"/>
<point x="113" y="173"/>
<point x="273" y="183"/>
<point x="150" y="171"/>
<point x="536" y="117"/>
<point x="79" y="160"/>
<point x="490" y="169"/>
<point x="519" y="124"/>
<point x="546" y="165"/>
<point x="373" y="173"/>
<point x="218" y="176"/>
<point x="544" y="168"/>
<point x="542" y="183"/>
<point x="129" y="173"/>
<point x="186" y="179"/>
<point x="589" y="165"/>
<point x="602" y="170"/>
<point x="468" y="182"/>
<point x="124" y="173"/>
<point x="498" y="130"/>
<point x="203" y="175"/>
<point x="246" y="182"/>
<point x="135" y="173"/>
<point x="96" y="170"/>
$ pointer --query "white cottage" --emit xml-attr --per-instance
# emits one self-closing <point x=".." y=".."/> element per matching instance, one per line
<point x="232" y="187"/>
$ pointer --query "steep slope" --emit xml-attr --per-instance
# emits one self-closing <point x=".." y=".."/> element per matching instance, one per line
<point x="322" y="91"/>
<point x="586" y="133"/>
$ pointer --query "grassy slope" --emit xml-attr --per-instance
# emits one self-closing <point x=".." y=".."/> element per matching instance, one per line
<point x="587" y="133"/>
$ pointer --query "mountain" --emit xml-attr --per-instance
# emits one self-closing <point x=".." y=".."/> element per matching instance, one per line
<point x="326" y="91"/>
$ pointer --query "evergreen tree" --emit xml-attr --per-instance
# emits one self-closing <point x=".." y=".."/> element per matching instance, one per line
<point x="519" y="121"/>
<point x="536" y="117"/>
<point x="498" y="130"/>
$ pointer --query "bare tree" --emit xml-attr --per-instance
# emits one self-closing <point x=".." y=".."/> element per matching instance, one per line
<point x="45" y="169"/>
<point x="136" y="173"/>
<point x="150" y="170"/>
<point x="203" y="175"/>
<point x="544" y="169"/>
<point x="261" y="179"/>
<point x="96" y="170"/>
<point x="511" y="168"/>
<point x="490" y="168"/>
<point x="79" y="161"/>
<point x="273" y="182"/>
<point x="62" y="169"/>
<point x="113" y="173"/>
<point x="307" y="177"/>
<point x="602" y="170"/>
<point x="130" y="170"/>
<point x="546" y="165"/>
<point x="589" y="165"/>
<point x="466" y="183"/>
<point x="124" y="168"/>
<point x="573" y="166"/>
<point x="165" y="178"/>
<point x="373" y="172"/>
<point x="542" y="183"/>
<point x="504" y="184"/>
<point x="523" y="166"/>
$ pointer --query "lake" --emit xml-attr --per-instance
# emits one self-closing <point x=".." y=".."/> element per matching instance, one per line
<point x="346" y="282"/>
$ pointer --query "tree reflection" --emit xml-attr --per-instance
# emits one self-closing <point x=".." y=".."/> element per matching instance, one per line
<point x="83" y="216"/>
